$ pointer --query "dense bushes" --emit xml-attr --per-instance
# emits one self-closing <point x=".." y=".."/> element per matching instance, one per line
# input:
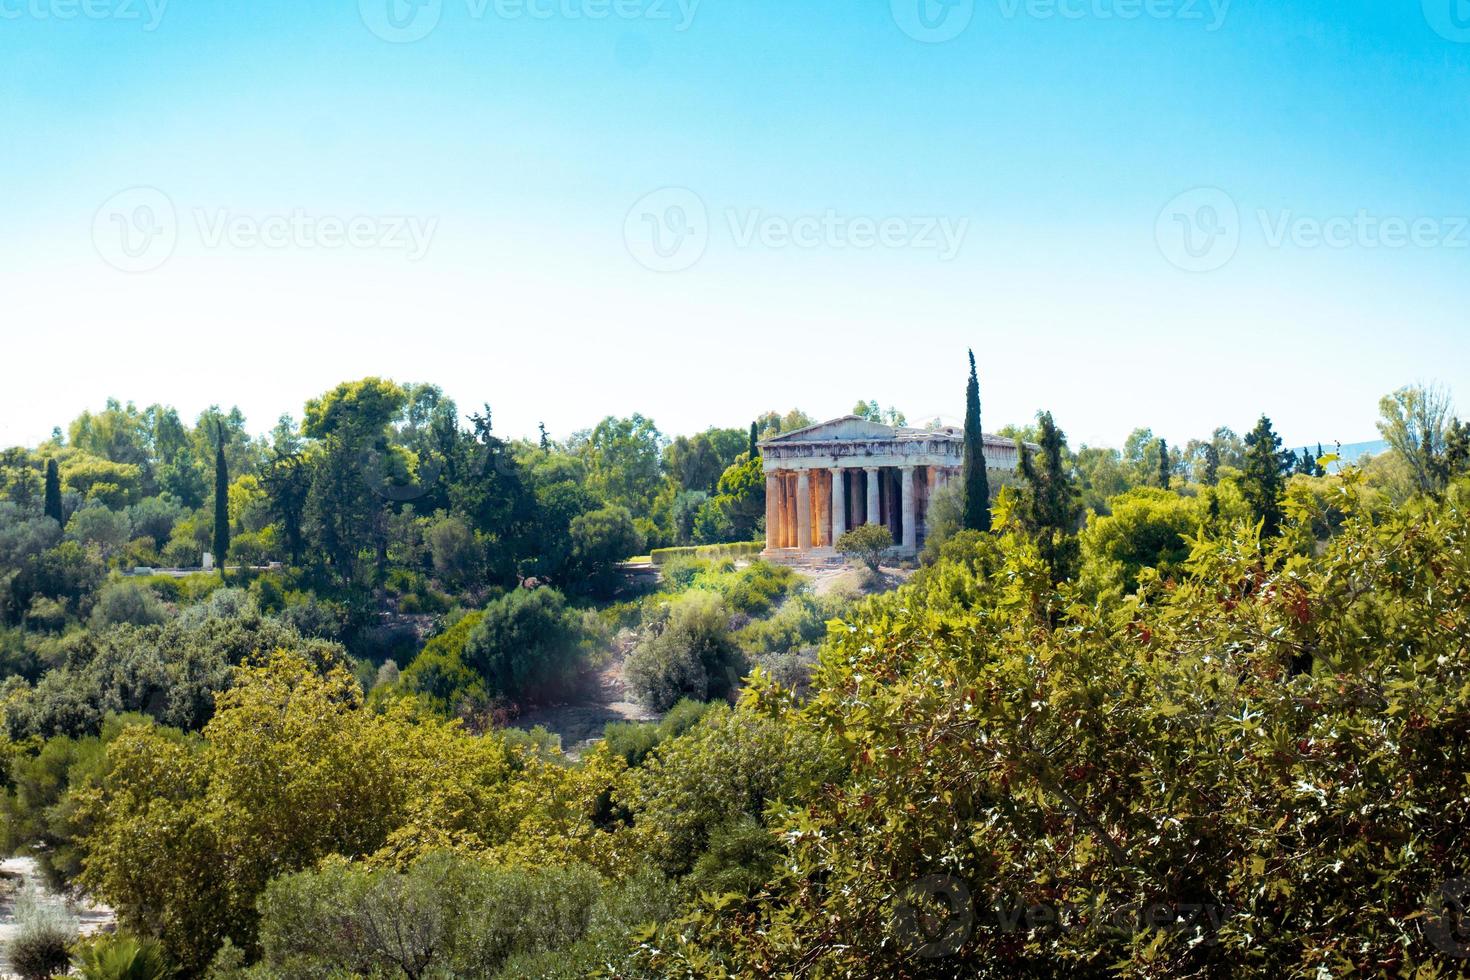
<point x="690" y="654"/>
<point x="1257" y="771"/>
<point x="740" y="549"/>
<point x="447" y="914"/>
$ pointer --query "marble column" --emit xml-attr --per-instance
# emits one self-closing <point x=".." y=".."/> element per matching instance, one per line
<point x="772" y="512"/>
<point x="910" y="513"/>
<point x="871" y="515"/>
<point x="804" y="510"/>
<point x="790" y="510"/>
<point x="839" y="506"/>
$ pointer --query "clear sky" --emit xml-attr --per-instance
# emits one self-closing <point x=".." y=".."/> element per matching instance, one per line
<point x="1173" y="213"/>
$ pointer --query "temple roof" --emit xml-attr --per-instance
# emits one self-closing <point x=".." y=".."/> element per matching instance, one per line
<point x="853" y="428"/>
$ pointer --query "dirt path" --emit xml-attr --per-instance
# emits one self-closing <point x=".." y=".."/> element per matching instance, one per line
<point x="18" y="872"/>
<point x="581" y="723"/>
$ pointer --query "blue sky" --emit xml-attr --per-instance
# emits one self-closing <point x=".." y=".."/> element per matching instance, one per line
<point x="1135" y="207"/>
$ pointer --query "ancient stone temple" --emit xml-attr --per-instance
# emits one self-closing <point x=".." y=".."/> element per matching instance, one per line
<point x="826" y="478"/>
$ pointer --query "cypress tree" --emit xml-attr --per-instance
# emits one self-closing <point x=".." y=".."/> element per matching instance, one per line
<point x="754" y="449"/>
<point x="545" y="439"/>
<point x="977" y="481"/>
<point x="221" y="502"/>
<point x="1317" y="468"/>
<point x="1050" y="509"/>
<point x="1264" y="478"/>
<point x="53" y="492"/>
<point x="1164" y="479"/>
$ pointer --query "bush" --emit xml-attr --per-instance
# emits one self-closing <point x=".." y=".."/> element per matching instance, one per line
<point x="445" y="915"/>
<point x="866" y="544"/>
<point x="528" y="645"/>
<point x="41" y="948"/>
<point x="122" y="601"/>
<point x="693" y="655"/>
<point x="122" y="957"/>
<point x="634" y="740"/>
<point x="739" y="549"/>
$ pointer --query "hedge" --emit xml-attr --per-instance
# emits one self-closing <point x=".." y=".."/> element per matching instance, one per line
<point x="736" y="550"/>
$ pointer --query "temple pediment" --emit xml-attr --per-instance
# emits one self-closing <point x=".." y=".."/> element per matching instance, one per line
<point x="847" y="427"/>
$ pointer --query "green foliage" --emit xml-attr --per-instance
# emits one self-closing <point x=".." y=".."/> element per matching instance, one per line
<point x="635" y="740"/>
<point x="601" y="538"/>
<point x="1264" y="478"/>
<point x="440" y="674"/>
<point x="53" y="493"/>
<point x="115" y="956"/>
<point x="690" y="653"/>
<point x="527" y="645"/>
<point x="738" y="549"/>
<point x="1279" y="740"/>
<point x="1049" y="509"/>
<point x="976" y="478"/>
<point x="1148" y="528"/>
<point x="868" y="543"/>
<point x="127" y="601"/>
<point x="41" y="946"/>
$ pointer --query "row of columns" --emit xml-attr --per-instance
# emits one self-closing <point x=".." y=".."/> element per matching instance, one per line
<point x="808" y="508"/>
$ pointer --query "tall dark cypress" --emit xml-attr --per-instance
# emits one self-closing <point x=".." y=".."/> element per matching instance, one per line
<point x="53" y="492"/>
<point x="977" y="480"/>
<point x="1264" y="479"/>
<point x="754" y="449"/>
<point x="221" y="502"/>
<point x="1164" y="468"/>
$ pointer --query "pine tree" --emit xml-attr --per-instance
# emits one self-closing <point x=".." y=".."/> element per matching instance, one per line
<point x="221" y="502"/>
<point x="1317" y="468"/>
<point x="754" y="449"/>
<point x="1264" y="478"/>
<point x="545" y="439"/>
<point x="977" y="480"/>
<point x="1051" y="509"/>
<point x="1164" y="467"/>
<point x="53" y="492"/>
<point x="1211" y="474"/>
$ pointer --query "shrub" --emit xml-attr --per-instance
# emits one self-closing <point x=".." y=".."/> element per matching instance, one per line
<point x="122" y="957"/>
<point x="693" y="655"/>
<point x="528" y="644"/>
<point x="634" y="740"/>
<point x="866" y="544"/>
<point x="739" y="549"/>
<point x="41" y="948"/>
<point x="122" y="601"/>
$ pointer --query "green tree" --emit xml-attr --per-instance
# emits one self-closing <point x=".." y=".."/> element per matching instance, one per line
<point x="867" y="543"/>
<point x="1415" y="423"/>
<point x="1264" y="478"/>
<point x="1050" y="511"/>
<point x="754" y="449"/>
<point x="1165" y="470"/>
<point x="221" y="504"/>
<point x="976" y="479"/>
<point x="53" y="493"/>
